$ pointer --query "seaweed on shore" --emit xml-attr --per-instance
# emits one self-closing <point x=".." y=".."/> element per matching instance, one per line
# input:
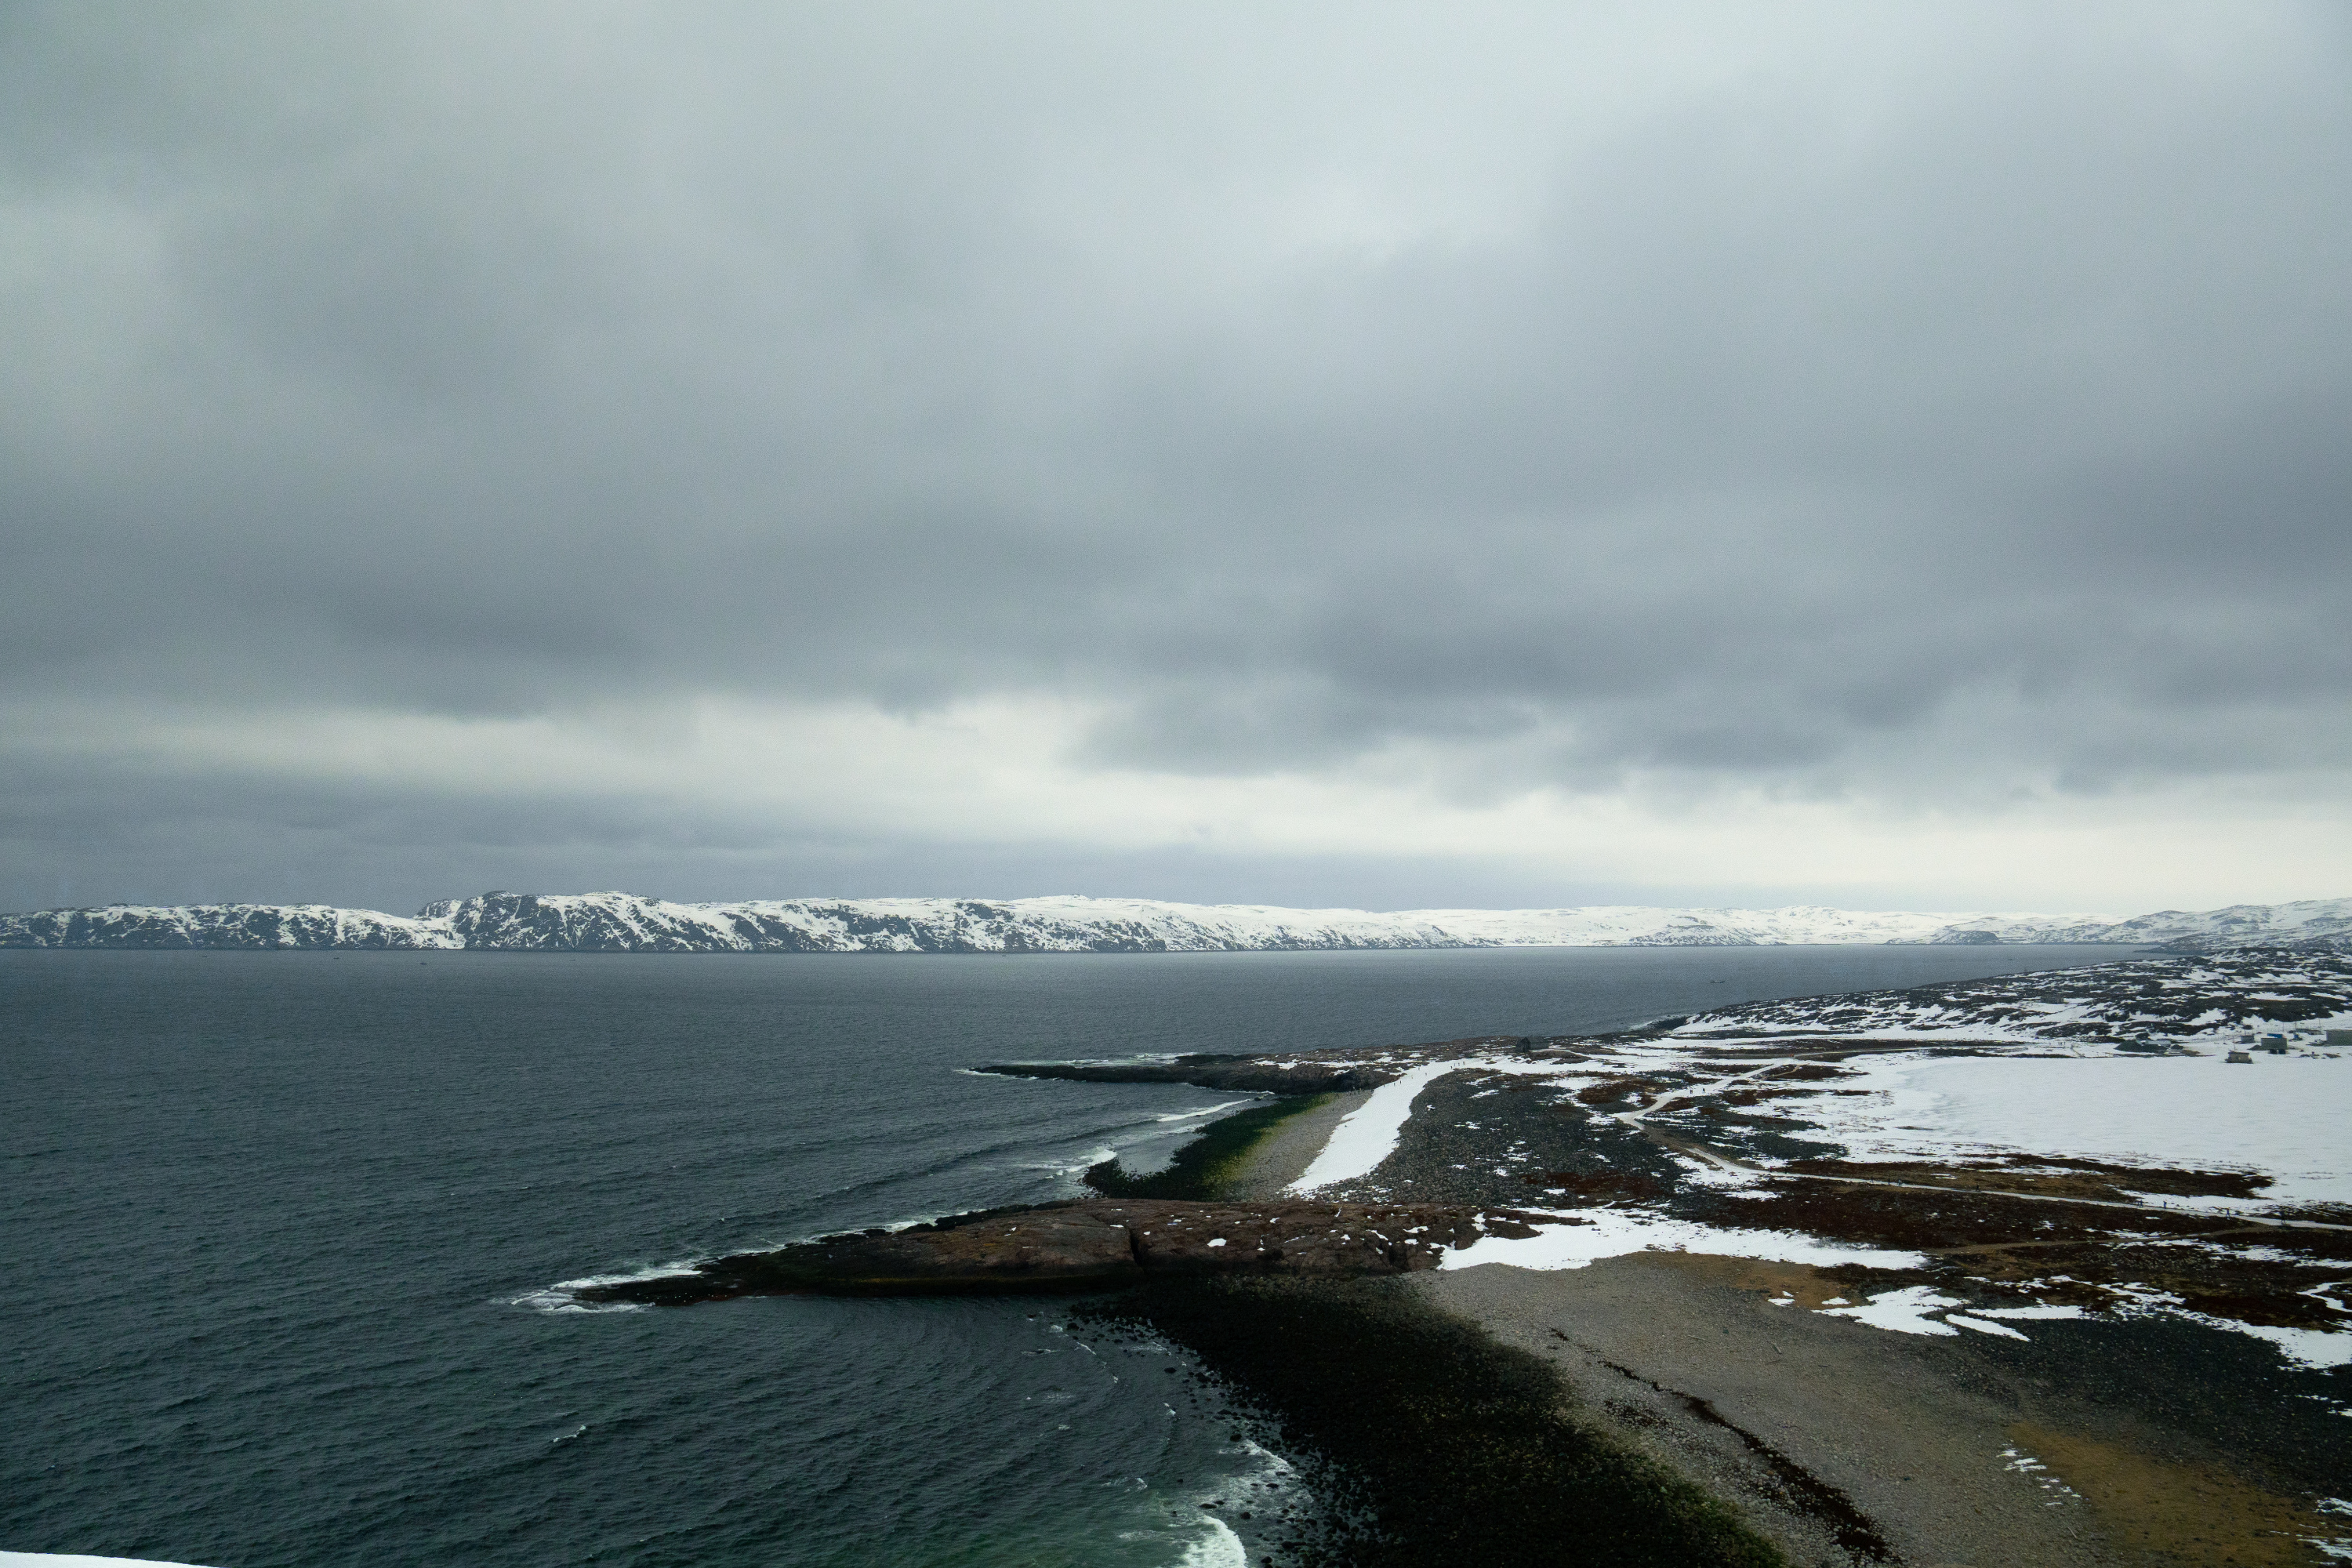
<point x="1429" y="1443"/>
<point x="1206" y="1168"/>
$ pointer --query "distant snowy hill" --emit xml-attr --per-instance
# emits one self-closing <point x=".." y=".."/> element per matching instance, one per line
<point x="622" y="923"/>
<point x="222" y="925"/>
<point x="2204" y="930"/>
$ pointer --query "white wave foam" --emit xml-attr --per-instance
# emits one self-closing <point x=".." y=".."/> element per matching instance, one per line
<point x="560" y="1302"/>
<point x="562" y="1295"/>
<point x="1219" y="1548"/>
<point x="1210" y="1110"/>
<point x="71" y="1559"/>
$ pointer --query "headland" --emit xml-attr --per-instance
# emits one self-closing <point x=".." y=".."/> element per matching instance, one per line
<point x="2045" y="1268"/>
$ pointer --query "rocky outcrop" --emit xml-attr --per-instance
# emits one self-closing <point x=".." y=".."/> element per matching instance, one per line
<point x="1084" y="1245"/>
<point x="1330" y="1071"/>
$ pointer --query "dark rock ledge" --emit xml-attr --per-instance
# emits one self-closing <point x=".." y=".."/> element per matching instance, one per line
<point x="1334" y="1070"/>
<point x="1094" y="1244"/>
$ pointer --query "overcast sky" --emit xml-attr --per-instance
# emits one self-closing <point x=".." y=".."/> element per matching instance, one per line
<point x="1397" y="456"/>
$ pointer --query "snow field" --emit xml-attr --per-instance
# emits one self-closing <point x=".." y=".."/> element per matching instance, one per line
<point x="2282" y="1117"/>
<point x="2286" y="1116"/>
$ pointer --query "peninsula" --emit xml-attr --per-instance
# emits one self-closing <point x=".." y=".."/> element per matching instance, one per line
<point x="2041" y="1269"/>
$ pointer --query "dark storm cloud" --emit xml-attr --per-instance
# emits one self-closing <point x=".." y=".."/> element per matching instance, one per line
<point x="1924" y="404"/>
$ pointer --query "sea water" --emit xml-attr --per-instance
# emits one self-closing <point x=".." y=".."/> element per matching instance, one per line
<point x="281" y="1235"/>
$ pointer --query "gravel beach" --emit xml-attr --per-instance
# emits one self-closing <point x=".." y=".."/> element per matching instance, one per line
<point x="1840" y="1442"/>
<point x="1283" y="1156"/>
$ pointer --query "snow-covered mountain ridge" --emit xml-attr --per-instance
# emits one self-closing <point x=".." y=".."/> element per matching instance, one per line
<point x="625" y="922"/>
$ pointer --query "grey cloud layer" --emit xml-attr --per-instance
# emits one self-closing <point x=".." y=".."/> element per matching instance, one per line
<point x="1910" y="403"/>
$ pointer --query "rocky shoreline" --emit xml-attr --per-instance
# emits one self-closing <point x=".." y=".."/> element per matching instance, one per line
<point x="1705" y="1311"/>
<point x="1100" y="1245"/>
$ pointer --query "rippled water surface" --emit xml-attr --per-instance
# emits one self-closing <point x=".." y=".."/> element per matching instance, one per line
<point x="274" y="1227"/>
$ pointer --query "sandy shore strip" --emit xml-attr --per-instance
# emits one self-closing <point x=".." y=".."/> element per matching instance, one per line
<point x="1283" y="1155"/>
<point x="1746" y="1398"/>
<point x="1847" y="1445"/>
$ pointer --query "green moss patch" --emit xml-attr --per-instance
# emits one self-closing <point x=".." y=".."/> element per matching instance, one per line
<point x="1208" y="1167"/>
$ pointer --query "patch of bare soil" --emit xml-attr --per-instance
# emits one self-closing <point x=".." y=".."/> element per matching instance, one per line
<point x="1930" y="1221"/>
<point x="2160" y="1512"/>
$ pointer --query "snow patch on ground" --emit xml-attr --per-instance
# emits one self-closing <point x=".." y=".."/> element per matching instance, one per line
<point x="2314" y="1350"/>
<point x="1905" y="1312"/>
<point x="2001" y="1330"/>
<point x="1368" y="1135"/>
<point x="2284" y="1116"/>
<point x="1613" y="1233"/>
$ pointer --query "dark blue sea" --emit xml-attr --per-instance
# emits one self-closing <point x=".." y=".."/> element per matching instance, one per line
<point x="280" y="1233"/>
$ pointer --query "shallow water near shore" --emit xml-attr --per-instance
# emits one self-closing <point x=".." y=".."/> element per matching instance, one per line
<point x="278" y="1230"/>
